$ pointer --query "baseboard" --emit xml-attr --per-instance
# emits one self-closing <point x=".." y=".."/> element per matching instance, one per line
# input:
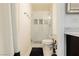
<point x="17" y="54"/>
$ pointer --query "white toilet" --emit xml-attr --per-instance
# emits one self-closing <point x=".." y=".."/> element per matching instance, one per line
<point x="47" y="47"/>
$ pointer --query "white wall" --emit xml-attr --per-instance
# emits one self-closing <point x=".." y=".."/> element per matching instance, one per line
<point x="6" y="41"/>
<point x="24" y="28"/>
<point x="58" y="27"/>
<point x="70" y="20"/>
<point x="14" y="27"/>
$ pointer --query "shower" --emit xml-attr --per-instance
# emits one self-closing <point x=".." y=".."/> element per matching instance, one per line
<point x="41" y="26"/>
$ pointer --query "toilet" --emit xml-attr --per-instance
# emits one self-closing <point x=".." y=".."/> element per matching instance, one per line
<point x="47" y="47"/>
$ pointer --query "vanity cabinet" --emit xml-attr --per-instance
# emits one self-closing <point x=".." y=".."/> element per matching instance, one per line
<point x="72" y="45"/>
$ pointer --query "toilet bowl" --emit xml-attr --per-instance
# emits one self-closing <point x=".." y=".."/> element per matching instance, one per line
<point x="47" y="47"/>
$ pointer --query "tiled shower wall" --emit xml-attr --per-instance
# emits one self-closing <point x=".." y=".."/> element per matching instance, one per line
<point x="41" y="25"/>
